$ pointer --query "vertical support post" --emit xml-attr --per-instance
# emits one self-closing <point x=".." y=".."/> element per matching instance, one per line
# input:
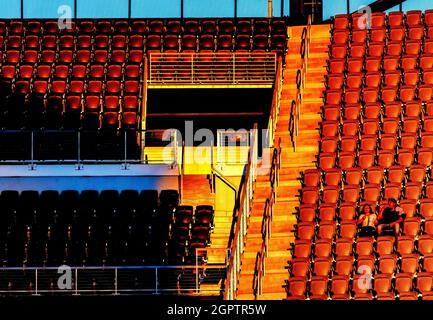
<point x="125" y="147"/>
<point x="32" y="150"/>
<point x="196" y="270"/>
<point x="22" y="9"/>
<point x="192" y="68"/>
<point x="234" y="68"/>
<point x="181" y="8"/>
<point x="36" y="281"/>
<point x="348" y="6"/>
<point x="75" y="9"/>
<point x="182" y="171"/>
<point x="156" y="280"/>
<point x="76" y="281"/>
<point x="129" y="9"/>
<point x="282" y="8"/>
<point x="236" y="9"/>
<point x="270" y="13"/>
<point x="79" y="147"/>
<point x="115" y="281"/>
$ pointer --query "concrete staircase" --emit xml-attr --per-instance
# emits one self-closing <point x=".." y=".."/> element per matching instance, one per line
<point x="292" y="164"/>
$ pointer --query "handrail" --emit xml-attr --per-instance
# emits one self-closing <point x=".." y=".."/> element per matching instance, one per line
<point x="236" y="246"/>
<point x="276" y="102"/>
<point x="113" y="280"/>
<point x="266" y="227"/>
<point x="179" y="69"/>
<point x="295" y="112"/>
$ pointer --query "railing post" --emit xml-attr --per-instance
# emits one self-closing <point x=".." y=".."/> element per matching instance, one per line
<point x="36" y="282"/>
<point x="76" y="281"/>
<point x="192" y="68"/>
<point x="196" y="270"/>
<point x="234" y="68"/>
<point x="32" y="147"/>
<point x="156" y="280"/>
<point x="115" y="282"/>
<point x="150" y="69"/>
<point x="79" y="147"/>
<point x="125" y="147"/>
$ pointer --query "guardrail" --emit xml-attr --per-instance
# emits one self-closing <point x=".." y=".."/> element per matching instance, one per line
<point x="85" y="146"/>
<point x="239" y="232"/>
<point x="295" y="111"/>
<point x="276" y="102"/>
<point x="213" y="69"/>
<point x="266" y="228"/>
<point x="115" y="280"/>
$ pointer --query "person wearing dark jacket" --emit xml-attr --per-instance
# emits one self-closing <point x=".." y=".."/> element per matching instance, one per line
<point x="390" y="217"/>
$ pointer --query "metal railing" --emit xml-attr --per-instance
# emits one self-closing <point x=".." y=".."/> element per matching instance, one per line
<point x="85" y="146"/>
<point x="239" y="232"/>
<point x="295" y="111"/>
<point x="276" y="102"/>
<point x="266" y="228"/>
<point x="116" y="280"/>
<point x="213" y="69"/>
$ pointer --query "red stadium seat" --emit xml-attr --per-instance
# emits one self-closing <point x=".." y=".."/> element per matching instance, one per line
<point x="353" y="176"/>
<point x="405" y="244"/>
<point x="412" y="47"/>
<point x="397" y="33"/>
<point x="300" y="267"/>
<point x="426" y="208"/>
<point x="341" y="22"/>
<point x="387" y="263"/>
<point x="322" y="266"/>
<point x="307" y="213"/>
<point x="375" y="49"/>
<point x="327" y="212"/>
<point x="302" y="249"/>
<point x="409" y="263"/>
<point x="343" y="265"/>
<point x="351" y="193"/>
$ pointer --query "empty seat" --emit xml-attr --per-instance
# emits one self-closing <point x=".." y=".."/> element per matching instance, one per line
<point x="426" y="208"/>
<point x="364" y="246"/>
<point x="307" y="213"/>
<point x="343" y="266"/>
<point x="387" y="264"/>
<point x="326" y="230"/>
<point x="322" y="266"/>
<point x="300" y="267"/>
<point x="297" y="288"/>
<point x="425" y="244"/>
<point x="424" y="282"/>
<point x="405" y="244"/>
<point x="318" y="288"/>
<point x="351" y="193"/>
<point x="302" y="249"/>
<point x="311" y="177"/>
<point x="305" y="230"/>
<point x="411" y="226"/>
<point x="344" y="247"/>
<point x="327" y="212"/>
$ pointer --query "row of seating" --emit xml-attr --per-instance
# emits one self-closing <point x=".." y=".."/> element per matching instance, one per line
<point x="151" y="43"/>
<point x="382" y="287"/>
<point x="381" y="19"/>
<point x="106" y="228"/>
<point x="149" y="26"/>
<point x="374" y="145"/>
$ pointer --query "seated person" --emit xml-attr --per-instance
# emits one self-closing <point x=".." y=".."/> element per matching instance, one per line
<point x="367" y="221"/>
<point x="390" y="217"/>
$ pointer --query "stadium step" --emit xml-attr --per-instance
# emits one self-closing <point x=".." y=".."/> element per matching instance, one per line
<point x="292" y="164"/>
